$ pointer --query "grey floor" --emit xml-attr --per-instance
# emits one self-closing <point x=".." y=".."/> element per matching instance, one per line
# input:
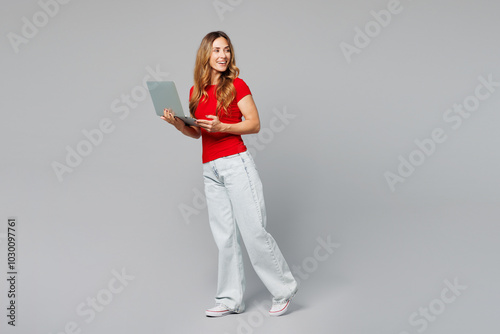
<point x="387" y="275"/>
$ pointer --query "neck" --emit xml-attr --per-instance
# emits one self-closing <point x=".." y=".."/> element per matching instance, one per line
<point x="215" y="77"/>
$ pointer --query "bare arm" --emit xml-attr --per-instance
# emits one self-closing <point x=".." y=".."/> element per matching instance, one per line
<point x="251" y="124"/>
<point x="190" y="131"/>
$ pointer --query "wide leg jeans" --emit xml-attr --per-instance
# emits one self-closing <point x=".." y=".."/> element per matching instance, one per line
<point x="237" y="212"/>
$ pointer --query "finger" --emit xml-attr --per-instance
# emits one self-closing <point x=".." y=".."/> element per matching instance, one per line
<point x="211" y="116"/>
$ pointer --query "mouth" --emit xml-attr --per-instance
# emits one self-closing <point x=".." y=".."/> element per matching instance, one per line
<point x="223" y="63"/>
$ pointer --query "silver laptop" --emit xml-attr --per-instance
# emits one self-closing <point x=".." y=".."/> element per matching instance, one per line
<point x="164" y="95"/>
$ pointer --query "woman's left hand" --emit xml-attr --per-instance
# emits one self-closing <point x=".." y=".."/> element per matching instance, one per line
<point x="214" y="125"/>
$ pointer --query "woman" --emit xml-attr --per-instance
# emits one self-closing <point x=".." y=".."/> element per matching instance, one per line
<point x="219" y="100"/>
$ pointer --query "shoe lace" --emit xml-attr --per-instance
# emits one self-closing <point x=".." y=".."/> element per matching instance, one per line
<point x="221" y="305"/>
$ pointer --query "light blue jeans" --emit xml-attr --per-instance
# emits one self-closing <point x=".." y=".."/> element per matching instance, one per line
<point x="236" y="211"/>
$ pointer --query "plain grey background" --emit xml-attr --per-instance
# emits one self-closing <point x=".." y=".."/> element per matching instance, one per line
<point x="133" y="203"/>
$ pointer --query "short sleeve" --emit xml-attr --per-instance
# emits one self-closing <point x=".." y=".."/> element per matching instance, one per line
<point x="242" y="89"/>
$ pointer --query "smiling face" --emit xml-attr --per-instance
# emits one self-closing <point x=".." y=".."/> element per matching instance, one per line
<point x="220" y="57"/>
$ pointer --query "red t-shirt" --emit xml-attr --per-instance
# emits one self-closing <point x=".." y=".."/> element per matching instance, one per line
<point x="217" y="144"/>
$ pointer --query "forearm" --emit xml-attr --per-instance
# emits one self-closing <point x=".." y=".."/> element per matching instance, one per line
<point x="185" y="129"/>
<point x="189" y="131"/>
<point x="248" y="126"/>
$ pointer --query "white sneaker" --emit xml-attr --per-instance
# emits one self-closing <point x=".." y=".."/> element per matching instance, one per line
<point x="218" y="311"/>
<point x="279" y="308"/>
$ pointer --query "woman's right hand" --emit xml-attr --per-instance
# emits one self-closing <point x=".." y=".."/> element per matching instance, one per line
<point x="169" y="117"/>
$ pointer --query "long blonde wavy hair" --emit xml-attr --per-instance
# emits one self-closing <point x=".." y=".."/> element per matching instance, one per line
<point x="225" y="91"/>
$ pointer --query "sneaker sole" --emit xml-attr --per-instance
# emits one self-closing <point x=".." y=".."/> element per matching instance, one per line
<point x="280" y="312"/>
<point x="215" y="314"/>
